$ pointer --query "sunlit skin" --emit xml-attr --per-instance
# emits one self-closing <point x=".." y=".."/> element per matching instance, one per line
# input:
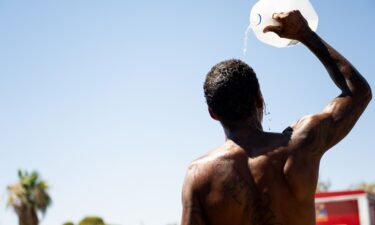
<point x="262" y="178"/>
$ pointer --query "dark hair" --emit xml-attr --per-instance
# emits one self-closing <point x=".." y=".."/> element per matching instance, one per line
<point x="231" y="89"/>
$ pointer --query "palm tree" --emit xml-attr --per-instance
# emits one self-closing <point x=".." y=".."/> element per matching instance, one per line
<point x="28" y="197"/>
<point x="323" y="186"/>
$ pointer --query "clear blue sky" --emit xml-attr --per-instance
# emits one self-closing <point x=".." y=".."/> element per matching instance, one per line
<point x="105" y="98"/>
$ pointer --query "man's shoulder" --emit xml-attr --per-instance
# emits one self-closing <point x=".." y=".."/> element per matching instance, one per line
<point x="197" y="175"/>
<point x="203" y="166"/>
<point x="202" y="170"/>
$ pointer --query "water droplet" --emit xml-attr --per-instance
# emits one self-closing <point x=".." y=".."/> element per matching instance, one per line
<point x="246" y="39"/>
<point x="268" y="118"/>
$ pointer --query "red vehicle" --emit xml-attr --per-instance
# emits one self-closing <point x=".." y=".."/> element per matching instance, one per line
<point x="345" y="208"/>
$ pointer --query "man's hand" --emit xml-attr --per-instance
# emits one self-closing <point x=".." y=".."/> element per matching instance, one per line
<point x="318" y="133"/>
<point x="292" y="25"/>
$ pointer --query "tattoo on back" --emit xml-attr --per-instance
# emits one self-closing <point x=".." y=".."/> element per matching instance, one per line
<point x="246" y="194"/>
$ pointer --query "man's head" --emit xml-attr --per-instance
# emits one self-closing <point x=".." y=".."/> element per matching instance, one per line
<point x="232" y="92"/>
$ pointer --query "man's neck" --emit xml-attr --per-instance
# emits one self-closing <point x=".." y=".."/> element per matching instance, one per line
<point x="244" y="131"/>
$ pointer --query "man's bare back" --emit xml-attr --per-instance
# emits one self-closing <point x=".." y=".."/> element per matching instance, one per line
<point x="260" y="178"/>
<point x="266" y="184"/>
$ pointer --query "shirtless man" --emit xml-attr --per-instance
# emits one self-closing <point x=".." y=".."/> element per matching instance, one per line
<point x="261" y="178"/>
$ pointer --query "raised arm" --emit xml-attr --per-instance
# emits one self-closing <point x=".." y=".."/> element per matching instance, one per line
<point x="323" y="130"/>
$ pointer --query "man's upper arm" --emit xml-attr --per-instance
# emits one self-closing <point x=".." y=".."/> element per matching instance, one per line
<point x="320" y="132"/>
<point x="192" y="213"/>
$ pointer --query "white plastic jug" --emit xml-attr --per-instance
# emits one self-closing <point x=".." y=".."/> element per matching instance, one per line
<point x="261" y="17"/>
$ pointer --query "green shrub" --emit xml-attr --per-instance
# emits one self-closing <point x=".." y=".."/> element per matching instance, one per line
<point x="68" y="223"/>
<point x="92" y="221"/>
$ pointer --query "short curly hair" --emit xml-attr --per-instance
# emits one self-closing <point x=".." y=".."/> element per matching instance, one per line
<point x="231" y="89"/>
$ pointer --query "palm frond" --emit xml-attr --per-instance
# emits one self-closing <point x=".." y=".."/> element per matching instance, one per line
<point x="30" y="192"/>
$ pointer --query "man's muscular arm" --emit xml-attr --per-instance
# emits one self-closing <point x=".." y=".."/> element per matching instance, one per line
<point x="323" y="130"/>
<point x="192" y="213"/>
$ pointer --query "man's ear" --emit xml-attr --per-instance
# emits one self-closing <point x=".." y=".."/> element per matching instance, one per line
<point x="212" y="114"/>
<point x="259" y="102"/>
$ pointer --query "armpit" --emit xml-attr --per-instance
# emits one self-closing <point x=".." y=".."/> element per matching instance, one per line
<point x="288" y="130"/>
